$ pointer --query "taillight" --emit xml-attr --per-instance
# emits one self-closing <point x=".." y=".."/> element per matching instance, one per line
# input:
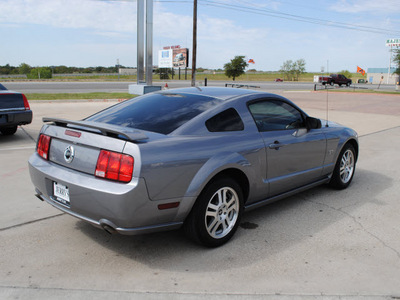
<point x="26" y="103"/>
<point x="43" y="146"/>
<point x="114" y="166"/>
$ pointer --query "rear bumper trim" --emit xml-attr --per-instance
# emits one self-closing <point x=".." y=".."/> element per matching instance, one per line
<point x="104" y="222"/>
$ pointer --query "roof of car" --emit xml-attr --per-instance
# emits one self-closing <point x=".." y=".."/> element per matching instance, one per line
<point x="215" y="92"/>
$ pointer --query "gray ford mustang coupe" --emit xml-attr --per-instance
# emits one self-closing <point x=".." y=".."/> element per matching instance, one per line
<point x="191" y="157"/>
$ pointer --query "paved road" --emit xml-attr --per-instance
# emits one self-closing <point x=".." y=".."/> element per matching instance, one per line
<point x="320" y="244"/>
<point x="114" y="86"/>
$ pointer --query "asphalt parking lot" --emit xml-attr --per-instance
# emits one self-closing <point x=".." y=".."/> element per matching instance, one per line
<point x="320" y="244"/>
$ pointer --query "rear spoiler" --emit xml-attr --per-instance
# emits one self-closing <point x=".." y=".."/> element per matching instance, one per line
<point x="130" y="134"/>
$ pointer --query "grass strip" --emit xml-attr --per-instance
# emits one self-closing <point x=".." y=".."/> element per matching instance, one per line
<point x="77" y="96"/>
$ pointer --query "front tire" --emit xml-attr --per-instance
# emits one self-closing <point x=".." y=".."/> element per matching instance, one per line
<point x="216" y="214"/>
<point x="344" y="168"/>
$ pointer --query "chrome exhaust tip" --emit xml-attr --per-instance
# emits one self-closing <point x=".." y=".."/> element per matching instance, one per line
<point x="108" y="226"/>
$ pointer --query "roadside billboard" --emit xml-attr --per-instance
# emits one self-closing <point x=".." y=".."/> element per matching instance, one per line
<point x="165" y="58"/>
<point x="181" y="57"/>
<point x="173" y="57"/>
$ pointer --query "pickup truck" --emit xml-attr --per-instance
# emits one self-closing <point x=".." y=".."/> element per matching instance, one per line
<point x="14" y="111"/>
<point x="333" y="79"/>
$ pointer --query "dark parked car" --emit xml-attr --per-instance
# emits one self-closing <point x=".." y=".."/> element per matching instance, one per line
<point x="193" y="157"/>
<point x="14" y="111"/>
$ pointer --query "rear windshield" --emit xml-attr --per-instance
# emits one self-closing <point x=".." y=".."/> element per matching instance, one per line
<point x="161" y="113"/>
<point x="11" y="101"/>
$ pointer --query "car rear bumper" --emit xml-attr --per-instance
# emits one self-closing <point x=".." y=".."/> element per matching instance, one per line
<point x="113" y="206"/>
<point x="14" y="118"/>
<point x="109" y="226"/>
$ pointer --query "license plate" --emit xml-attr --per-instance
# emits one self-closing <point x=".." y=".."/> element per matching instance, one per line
<point x="61" y="193"/>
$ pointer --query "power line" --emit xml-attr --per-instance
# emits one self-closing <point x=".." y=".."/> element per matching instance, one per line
<point x="298" y="18"/>
<point x="281" y="15"/>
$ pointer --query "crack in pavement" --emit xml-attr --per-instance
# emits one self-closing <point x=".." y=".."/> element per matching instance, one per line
<point x="31" y="222"/>
<point x="359" y="224"/>
<point x="58" y="292"/>
<point x="32" y="138"/>
<point x="380" y="131"/>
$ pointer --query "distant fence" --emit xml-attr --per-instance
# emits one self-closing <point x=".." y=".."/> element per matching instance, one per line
<point x="13" y="76"/>
<point x="85" y="74"/>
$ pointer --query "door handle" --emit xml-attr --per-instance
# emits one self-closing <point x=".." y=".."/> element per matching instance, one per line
<point x="276" y="145"/>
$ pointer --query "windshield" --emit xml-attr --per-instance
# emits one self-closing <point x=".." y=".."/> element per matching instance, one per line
<point x="160" y="112"/>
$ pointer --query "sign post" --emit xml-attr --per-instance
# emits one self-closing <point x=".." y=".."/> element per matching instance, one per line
<point x="144" y="49"/>
<point x="391" y="43"/>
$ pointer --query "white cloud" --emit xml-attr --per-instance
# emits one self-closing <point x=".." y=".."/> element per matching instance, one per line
<point x="100" y="15"/>
<point x="371" y="6"/>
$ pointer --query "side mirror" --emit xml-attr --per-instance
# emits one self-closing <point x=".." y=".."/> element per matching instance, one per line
<point x="313" y="123"/>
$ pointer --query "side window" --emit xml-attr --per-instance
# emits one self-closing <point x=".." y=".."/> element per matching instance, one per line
<point x="275" y="115"/>
<point x="228" y="120"/>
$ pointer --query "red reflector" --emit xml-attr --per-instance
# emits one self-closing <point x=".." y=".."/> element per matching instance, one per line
<point x="43" y="146"/>
<point x="73" y="133"/>
<point x="168" y="205"/>
<point x="114" y="166"/>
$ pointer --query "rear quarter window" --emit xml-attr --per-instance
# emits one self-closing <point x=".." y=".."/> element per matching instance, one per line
<point x="228" y="120"/>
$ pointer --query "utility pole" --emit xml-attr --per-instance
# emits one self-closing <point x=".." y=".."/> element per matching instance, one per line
<point x="194" y="43"/>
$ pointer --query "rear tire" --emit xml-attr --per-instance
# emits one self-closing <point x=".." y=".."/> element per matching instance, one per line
<point x="344" y="168"/>
<point x="216" y="214"/>
<point x="332" y="83"/>
<point x="9" y="130"/>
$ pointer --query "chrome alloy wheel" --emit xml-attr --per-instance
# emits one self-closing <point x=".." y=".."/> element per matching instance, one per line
<point x="222" y="212"/>
<point x="347" y="166"/>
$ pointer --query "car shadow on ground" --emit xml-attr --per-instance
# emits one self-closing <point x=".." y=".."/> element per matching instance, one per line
<point x="264" y="232"/>
<point x="20" y="137"/>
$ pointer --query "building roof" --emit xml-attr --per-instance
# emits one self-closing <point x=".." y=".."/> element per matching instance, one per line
<point x="381" y="70"/>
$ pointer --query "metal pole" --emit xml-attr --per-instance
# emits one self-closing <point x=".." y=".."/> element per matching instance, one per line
<point x="390" y="63"/>
<point x="149" y="42"/>
<point x="194" y="43"/>
<point x="140" y="41"/>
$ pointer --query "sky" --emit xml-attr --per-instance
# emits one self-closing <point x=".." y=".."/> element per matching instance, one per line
<point x="332" y="35"/>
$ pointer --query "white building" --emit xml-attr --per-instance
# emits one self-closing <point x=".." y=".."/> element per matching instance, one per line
<point x="381" y="75"/>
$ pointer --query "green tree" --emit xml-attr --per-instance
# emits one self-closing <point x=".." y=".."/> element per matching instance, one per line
<point x="299" y="68"/>
<point x="287" y="70"/>
<point x="346" y="73"/>
<point x="24" y="68"/>
<point x="397" y="61"/>
<point x="40" y="73"/>
<point x="292" y="70"/>
<point x="7" y="69"/>
<point x="235" y="67"/>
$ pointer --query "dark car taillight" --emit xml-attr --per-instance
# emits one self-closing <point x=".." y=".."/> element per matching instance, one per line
<point x="114" y="166"/>
<point x="26" y="103"/>
<point x="44" y="146"/>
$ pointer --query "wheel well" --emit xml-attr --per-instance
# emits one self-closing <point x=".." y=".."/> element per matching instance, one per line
<point x="355" y="145"/>
<point x="238" y="176"/>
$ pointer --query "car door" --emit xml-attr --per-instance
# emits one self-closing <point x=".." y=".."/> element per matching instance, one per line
<point x="295" y="155"/>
